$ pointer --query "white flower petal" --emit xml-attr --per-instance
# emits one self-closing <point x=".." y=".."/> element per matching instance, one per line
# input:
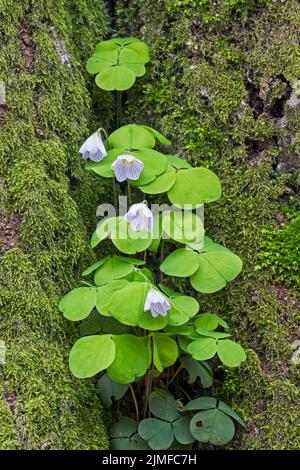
<point x="93" y="148"/>
<point x="139" y="217"/>
<point x="157" y="303"/>
<point x="127" y="167"/>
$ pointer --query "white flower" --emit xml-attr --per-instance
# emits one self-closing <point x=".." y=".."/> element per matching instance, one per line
<point x="127" y="167"/>
<point x="93" y="148"/>
<point x="157" y="303"/>
<point x="139" y="217"/>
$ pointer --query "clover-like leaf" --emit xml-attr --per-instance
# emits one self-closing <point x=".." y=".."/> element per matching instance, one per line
<point x="78" y="303"/>
<point x="229" y="411"/>
<point x="113" y="268"/>
<point x="210" y="269"/>
<point x="182" y="309"/>
<point x="127" y="306"/>
<point x="212" y="334"/>
<point x="181" y="263"/>
<point x="201" y="403"/>
<point x="124" y="436"/>
<point x="230" y="353"/>
<point x="206" y="187"/>
<point x="159" y="434"/>
<point x="133" y="61"/>
<point x="212" y="426"/>
<point x="161" y="183"/>
<point x="92" y="324"/>
<point x="103" y="230"/>
<point x="118" y="62"/>
<point x="132" y="358"/>
<point x="165" y="351"/>
<point x="203" y="348"/>
<point x="126" y="239"/>
<point x="207" y="321"/>
<point x="216" y="268"/>
<point x="110" y="390"/>
<point x="163" y="406"/>
<point x="183" y="226"/>
<point x="178" y="162"/>
<point x="91" y="355"/>
<point x="105" y="294"/>
<point x="181" y="429"/>
<point x="132" y="136"/>
<point x="198" y="369"/>
<point x="118" y="78"/>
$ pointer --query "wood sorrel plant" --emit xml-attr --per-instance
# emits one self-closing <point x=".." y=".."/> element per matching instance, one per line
<point x="136" y="331"/>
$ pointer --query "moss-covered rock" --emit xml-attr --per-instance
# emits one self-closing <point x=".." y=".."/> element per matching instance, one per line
<point x="48" y="204"/>
<point x="220" y="86"/>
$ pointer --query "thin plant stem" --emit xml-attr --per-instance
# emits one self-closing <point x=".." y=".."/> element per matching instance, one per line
<point x="148" y="384"/>
<point x="129" y="194"/>
<point x="146" y="394"/>
<point x="145" y="256"/>
<point x="137" y="414"/>
<point x="115" y="194"/>
<point x="119" y="109"/>
<point x="185" y="393"/>
<point x="175" y="375"/>
<point x="161" y="275"/>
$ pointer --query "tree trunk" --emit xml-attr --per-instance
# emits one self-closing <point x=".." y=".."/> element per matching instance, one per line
<point x="45" y="113"/>
<point x="223" y="85"/>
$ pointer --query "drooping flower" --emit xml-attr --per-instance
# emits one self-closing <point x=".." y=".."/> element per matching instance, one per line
<point x="157" y="303"/>
<point x="139" y="217"/>
<point x="127" y="167"/>
<point x="93" y="148"/>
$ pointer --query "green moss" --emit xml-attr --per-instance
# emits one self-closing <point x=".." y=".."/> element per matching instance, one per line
<point x="217" y="87"/>
<point x="47" y="115"/>
<point x="280" y="252"/>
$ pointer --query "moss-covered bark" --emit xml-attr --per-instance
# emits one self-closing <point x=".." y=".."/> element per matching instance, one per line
<point x="222" y="86"/>
<point x="47" y="201"/>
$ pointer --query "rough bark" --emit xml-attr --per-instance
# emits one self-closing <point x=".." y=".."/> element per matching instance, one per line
<point x="223" y="86"/>
<point x="47" y="201"/>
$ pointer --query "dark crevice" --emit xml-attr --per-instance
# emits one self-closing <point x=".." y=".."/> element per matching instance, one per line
<point x="255" y="150"/>
<point x="276" y="109"/>
<point x="254" y="100"/>
<point x="2" y="112"/>
<point x="110" y="7"/>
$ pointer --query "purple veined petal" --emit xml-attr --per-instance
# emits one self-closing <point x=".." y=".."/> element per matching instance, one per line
<point x="156" y="308"/>
<point x="129" y="218"/>
<point x="154" y="313"/>
<point x="135" y="170"/>
<point x="127" y="167"/>
<point x="119" y="171"/>
<point x="156" y="303"/>
<point x="93" y="148"/>
<point x="97" y="156"/>
<point x="139" y="217"/>
<point x="140" y="222"/>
